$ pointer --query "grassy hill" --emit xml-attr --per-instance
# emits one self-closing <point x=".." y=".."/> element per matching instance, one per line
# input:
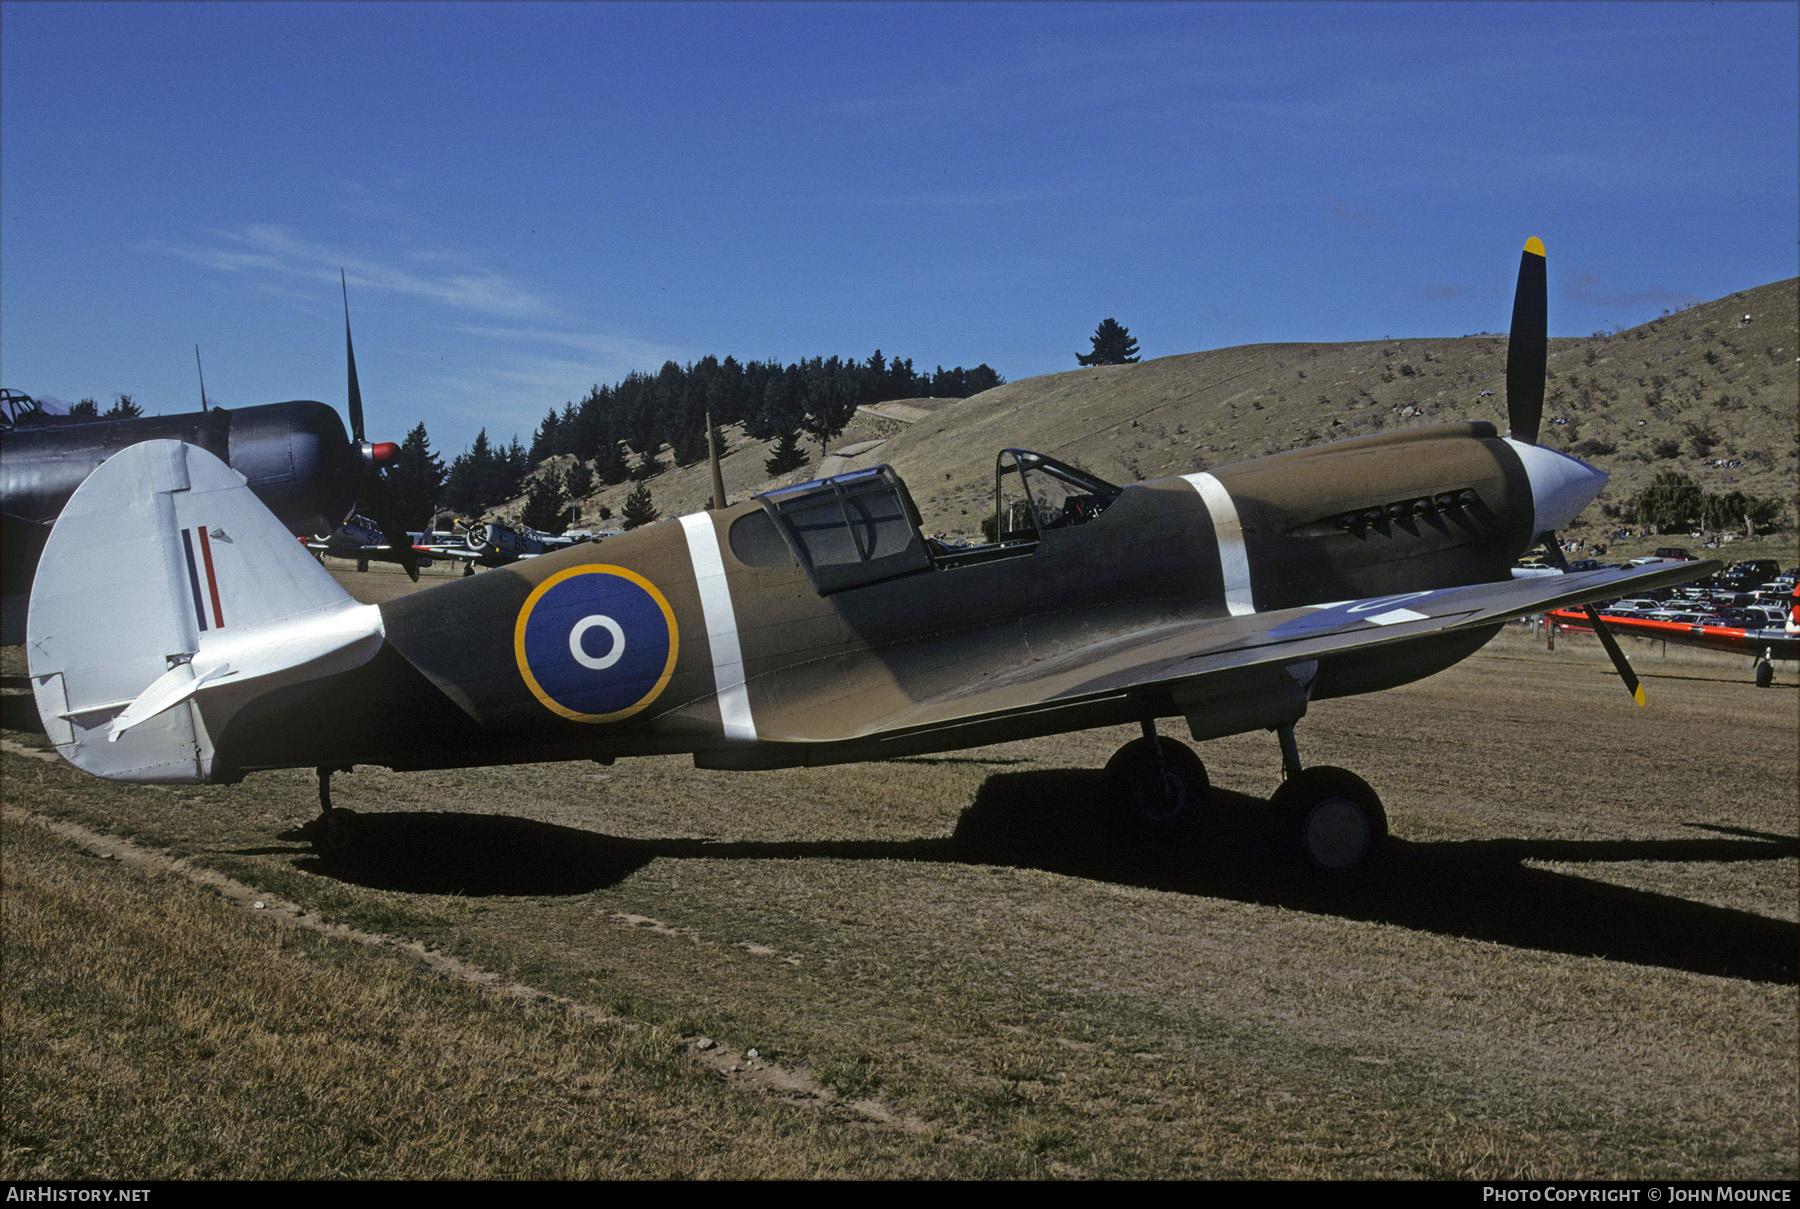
<point x="1701" y="391"/>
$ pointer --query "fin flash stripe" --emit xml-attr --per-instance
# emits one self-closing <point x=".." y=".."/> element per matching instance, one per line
<point x="212" y="580"/>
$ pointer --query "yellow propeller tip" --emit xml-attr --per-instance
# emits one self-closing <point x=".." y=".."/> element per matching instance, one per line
<point x="1535" y="246"/>
<point x="1637" y="695"/>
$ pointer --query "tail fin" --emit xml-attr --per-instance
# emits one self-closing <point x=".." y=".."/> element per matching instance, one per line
<point x="164" y="586"/>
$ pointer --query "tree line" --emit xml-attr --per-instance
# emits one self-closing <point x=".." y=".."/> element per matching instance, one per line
<point x="124" y="408"/>
<point x="618" y="432"/>
<point x="1674" y="503"/>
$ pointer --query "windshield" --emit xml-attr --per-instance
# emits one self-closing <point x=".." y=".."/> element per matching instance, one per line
<point x="1034" y="493"/>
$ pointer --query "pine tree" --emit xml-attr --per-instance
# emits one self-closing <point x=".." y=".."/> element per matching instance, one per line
<point x="549" y="435"/>
<point x="516" y="462"/>
<point x="783" y="404"/>
<point x="609" y="463"/>
<point x="639" y="421"/>
<point x="123" y="408"/>
<point x="830" y="399"/>
<point x="787" y="454"/>
<point x="1113" y="345"/>
<point x="579" y="482"/>
<point x="983" y="377"/>
<point x="416" y="480"/>
<point x="639" y="510"/>
<point x="471" y="477"/>
<point x="592" y="423"/>
<point x="546" y="507"/>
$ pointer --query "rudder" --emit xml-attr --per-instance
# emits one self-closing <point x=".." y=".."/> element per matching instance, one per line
<point x="166" y="578"/>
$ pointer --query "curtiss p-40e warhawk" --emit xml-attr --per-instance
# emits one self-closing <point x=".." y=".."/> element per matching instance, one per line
<point x="179" y="635"/>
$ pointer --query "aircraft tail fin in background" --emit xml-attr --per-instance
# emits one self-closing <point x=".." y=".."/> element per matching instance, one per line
<point x="167" y="595"/>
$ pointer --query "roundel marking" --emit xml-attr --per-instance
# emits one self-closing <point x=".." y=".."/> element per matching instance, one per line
<point x="611" y="657"/>
<point x="596" y="643"/>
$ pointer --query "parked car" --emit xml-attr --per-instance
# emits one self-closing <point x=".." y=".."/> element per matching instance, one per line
<point x="1759" y="569"/>
<point x="1744" y="619"/>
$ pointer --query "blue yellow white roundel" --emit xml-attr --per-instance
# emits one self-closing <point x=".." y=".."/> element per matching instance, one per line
<point x="596" y="643"/>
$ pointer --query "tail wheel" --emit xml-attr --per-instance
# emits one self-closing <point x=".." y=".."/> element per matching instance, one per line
<point x="1331" y="821"/>
<point x="1158" y="797"/>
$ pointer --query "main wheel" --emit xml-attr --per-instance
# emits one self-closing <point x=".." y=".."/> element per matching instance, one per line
<point x="332" y="833"/>
<point x="1330" y="821"/>
<point x="1765" y="674"/>
<point x="1158" y="801"/>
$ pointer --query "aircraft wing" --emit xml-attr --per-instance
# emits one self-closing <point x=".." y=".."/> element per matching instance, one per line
<point x="1229" y="668"/>
<point x="463" y="554"/>
<point x="451" y="552"/>
<point x="378" y="552"/>
<point x="1776" y="642"/>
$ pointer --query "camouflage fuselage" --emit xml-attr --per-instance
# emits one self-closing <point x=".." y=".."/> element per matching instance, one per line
<point x="624" y="647"/>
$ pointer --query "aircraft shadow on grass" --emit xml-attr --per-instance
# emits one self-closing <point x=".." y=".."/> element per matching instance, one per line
<point x="18" y="708"/>
<point x="1057" y="820"/>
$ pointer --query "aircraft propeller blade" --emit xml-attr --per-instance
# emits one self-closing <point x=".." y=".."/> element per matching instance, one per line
<point x="1553" y="549"/>
<point x="399" y="541"/>
<point x="374" y="486"/>
<point x="1527" y="348"/>
<point x="356" y="412"/>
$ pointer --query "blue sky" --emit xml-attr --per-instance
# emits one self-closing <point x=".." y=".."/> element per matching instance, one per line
<point x="531" y="199"/>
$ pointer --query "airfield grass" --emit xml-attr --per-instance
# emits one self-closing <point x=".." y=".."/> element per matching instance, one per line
<point x="1577" y="962"/>
<point x="154" y="1032"/>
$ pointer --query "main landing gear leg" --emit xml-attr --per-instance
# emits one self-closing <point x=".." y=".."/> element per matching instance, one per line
<point x="1158" y="786"/>
<point x="1329" y="821"/>
<point x="328" y="832"/>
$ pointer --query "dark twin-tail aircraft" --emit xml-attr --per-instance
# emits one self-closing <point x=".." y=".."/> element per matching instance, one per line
<point x="178" y="634"/>
<point x="295" y="457"/>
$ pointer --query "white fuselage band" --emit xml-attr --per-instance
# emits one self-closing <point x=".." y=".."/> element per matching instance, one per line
<point x="1234" y="563"/>
<point x="721" y="627"/>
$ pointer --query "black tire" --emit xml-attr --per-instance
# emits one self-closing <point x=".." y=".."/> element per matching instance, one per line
<point x="1330" y="822"/>
<point x="1765" y="674"/>
<point x="1154" y="806"/>
<point x="333" y="834"/>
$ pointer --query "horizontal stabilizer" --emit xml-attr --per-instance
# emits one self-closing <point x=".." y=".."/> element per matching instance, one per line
<point x="165" y="584"/>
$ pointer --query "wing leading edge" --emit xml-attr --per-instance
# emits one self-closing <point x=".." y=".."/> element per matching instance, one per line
<point x="1262" y="663"/>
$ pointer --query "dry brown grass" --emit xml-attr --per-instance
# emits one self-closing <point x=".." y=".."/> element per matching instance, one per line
<point x="1695" y="369"/>
<point x="1578" y="962"/>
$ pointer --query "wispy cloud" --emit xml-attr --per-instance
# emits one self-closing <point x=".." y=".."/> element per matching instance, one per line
<point x="528" y="369"/>
<point x="1587" y="288"/>
<point x="443" y="278"/>
<point x="601" y="347"/>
